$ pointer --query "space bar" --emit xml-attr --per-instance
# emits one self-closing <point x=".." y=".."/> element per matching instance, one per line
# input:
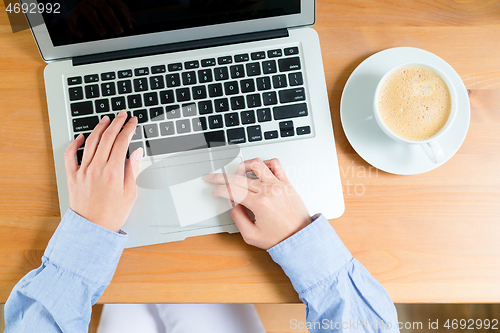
<point x="184" y="143"/>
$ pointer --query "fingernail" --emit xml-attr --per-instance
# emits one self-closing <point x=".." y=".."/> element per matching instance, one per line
<point x="78" y="137"/>
<point x="139" y="153"/>
<point x="105" y="118"/>
<point x="121" y="114"/>
<point x="209" y="176"/>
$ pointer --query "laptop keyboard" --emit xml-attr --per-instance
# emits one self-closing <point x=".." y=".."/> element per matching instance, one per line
<point x="247" y="98"/>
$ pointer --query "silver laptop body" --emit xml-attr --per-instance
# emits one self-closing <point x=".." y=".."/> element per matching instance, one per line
<point x="269" y="44"/>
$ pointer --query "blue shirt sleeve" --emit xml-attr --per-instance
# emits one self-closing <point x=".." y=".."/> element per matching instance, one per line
<point x="77" y="266"/>
<point x="339" y="293"/>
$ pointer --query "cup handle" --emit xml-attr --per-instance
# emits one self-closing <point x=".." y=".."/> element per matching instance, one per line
<point x="434" y="151"/>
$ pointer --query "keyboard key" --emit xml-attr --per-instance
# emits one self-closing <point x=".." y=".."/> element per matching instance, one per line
<point x="183" y="126"/>
<point x="185" y="142"/>
<point x="141" y="71"/>
<point x="224" y="60"/>
<point x="79" y="156"/>
<point x="101" y="105"/>
<point x="231" y="88"/>
<point x="150" y="131"/>
<point x="189" y="110"/>
<point x="247" y="117"/>
<point x="205" y="75"/>
<point x="247" y="85"/>
<point x="279" y="81"/>
<point x="286" y="125"/>
<point x="158" y="69"/>
<point x="291" y="50"/>
<point x="183" y="94"/>
<point x="134" y="101"/>
<point x="91" y="78"/>
<point x="303" y="130"/>
<point x="157" y="114"/>
<point x="274" y="53"/>
<point x="173" y="111"/>
<point x="118" y="103"/>
<point x="269" y="98"/>
<point x="289" y="64"/>
<point x="81" y="108"/>
<point x="188" y="78"/>
<point x="156" y="82"/>
<point x="133" y="146"/>
<point x="258" y="55"/>
<point x="241" y="57"/>
<point x="221" y="73"/>
<point x="290" y="111"/>
<point x="215" y="90"/>
<point x="221" y="105"/>
<point x="199" y="124"/>
<point x="295" y="79"/>
<point x="263" y="83"/>
<point x="140" y="84"/>
<point x="292" y="95"/>
<point x="108" y="76"/>
<point x="167" y="128"/>
<point x="208" y="62"/>
<point x="142" y="115"/>
<point x="124" y="87"/>
<point x="108" y="89"/>
<point x="264" y="115"/>
<point x="253" y="69"/>
<point x="173" y="80"/>
<point x="124" y="73"/>
<point x="92" y="91"/>
<point x="205" y="107"/>
<point x="287" y="133"/>
<point x="237" y="71"/>
<point x="269" y="67"/>
<point x="167" y="96"/>
<point x="74" y="80"/>
<point x="151" y="99"/>
<point x="231" y="119"/>
<point x="85" y="124"/>
<point x="236" y="135"/>
<point x="137" y="133"/>
<point x="199" y="92"/>
<point x="253" y="101"/>
<point x="237" y="103"/>
<point x="271" y="135"/>
<point x="175" y="67"/>
<point x="254" y="133"/>
<point x="191" y="64"/>
<point x="215" y="121"/>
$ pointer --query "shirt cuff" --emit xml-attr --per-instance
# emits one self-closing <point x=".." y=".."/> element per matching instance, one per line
<point x="85" y="248"/>
<point x="311" y="255"/>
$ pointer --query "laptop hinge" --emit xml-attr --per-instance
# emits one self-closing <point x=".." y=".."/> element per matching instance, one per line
<point x="181" y="46"/>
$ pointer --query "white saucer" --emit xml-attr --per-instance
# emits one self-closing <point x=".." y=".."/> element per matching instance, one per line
<point x="362" y="130"/>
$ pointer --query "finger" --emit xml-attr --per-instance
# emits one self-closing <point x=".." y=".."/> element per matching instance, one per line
<point x="277" y="169"/>
<point x="241" y="181"/>
<point x="109" y="15"/>
<point x="73" y="25"/>
<point x="69" y="156"/>
<point x="120" y="147"/>
<point x="93" y="141"/>
<point x="240" y="171"/>
<point x="132" y="168"/>
<point x="91" y="15"/>
<point x="245" y="225"/>
<point x="236" y="194"/>
<point x="261" y="170"/>
<point x="108" y="138"/>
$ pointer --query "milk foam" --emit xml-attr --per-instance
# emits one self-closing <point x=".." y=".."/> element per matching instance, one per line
<point x="414" y="102"/>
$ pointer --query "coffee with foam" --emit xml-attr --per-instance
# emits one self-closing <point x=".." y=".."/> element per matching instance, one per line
<point x="414" y="102"/>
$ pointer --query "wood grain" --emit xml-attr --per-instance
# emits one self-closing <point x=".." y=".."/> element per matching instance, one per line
<point x="426" y="238"/>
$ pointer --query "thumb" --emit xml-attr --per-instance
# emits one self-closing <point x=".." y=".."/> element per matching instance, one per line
<point x="133" y="167"/>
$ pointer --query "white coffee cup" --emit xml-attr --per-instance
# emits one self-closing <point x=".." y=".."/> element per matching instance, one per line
<point x="430" y="145"/>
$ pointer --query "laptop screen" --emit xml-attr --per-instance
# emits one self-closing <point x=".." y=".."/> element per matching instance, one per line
<point x="93" y="20"/>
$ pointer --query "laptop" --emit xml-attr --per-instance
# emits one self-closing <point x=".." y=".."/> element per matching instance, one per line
<point x="213" y="83"/>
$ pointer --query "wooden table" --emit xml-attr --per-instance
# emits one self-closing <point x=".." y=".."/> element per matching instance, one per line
<point x="427" y="238"/>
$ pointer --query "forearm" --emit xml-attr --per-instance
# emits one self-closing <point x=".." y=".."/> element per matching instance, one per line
<point x="340" y="294"/>
<point x="77" y="266"/>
